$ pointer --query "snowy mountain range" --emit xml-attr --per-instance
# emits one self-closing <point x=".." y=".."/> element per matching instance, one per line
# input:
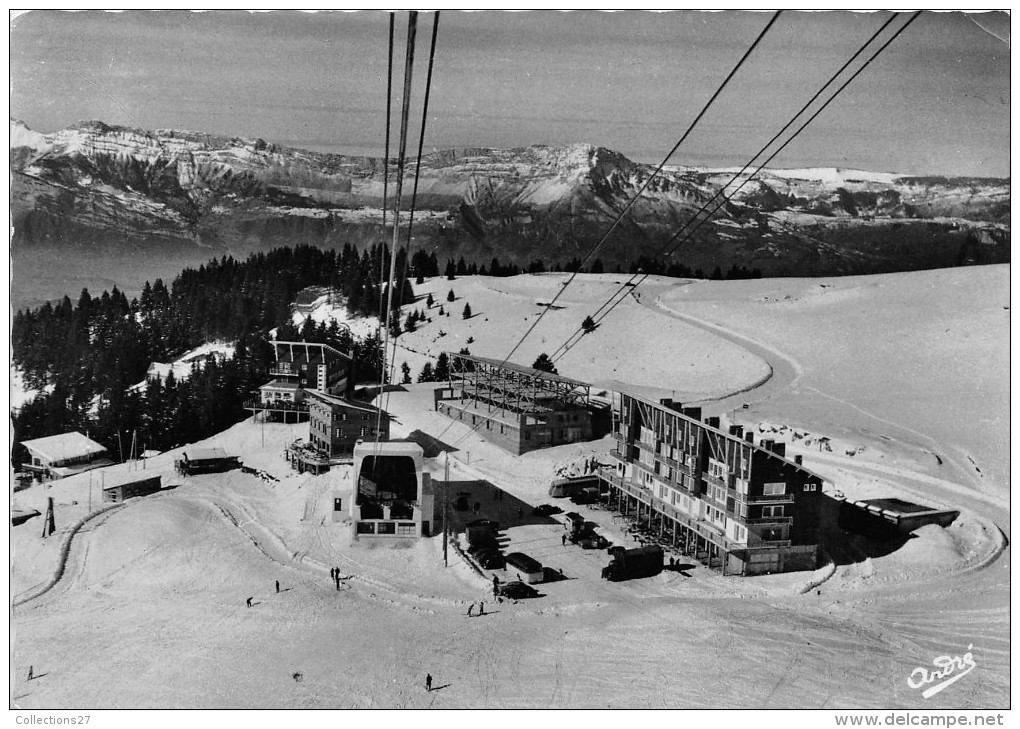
<point x="94" y="184"/>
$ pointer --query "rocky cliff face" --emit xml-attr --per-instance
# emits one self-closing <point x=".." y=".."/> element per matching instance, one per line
<point x="99" y="185"/>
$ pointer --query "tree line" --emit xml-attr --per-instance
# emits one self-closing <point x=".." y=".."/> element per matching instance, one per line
<point x="90" y="355"/>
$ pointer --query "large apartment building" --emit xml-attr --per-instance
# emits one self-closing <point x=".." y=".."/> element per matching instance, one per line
<point x="741" y="505"/>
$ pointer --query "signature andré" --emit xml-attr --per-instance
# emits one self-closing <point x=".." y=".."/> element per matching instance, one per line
<point x="950" y="668"/>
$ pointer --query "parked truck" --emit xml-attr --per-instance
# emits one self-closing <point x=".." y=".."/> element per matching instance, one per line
<point x="563" y="488"/>
<point x="626" y="564"/>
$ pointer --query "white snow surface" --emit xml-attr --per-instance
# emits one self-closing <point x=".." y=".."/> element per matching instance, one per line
<point x="862" y="388"/>
<point x="321" y="310"/>
<point x="181" y="367"/>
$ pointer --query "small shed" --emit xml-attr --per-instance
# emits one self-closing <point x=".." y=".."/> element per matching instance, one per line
<point x="129" y="487"/>
<point x="206" y="460"/>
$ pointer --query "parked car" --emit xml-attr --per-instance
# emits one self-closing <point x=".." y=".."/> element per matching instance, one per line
<point x="516" y="590"/>
<point x="593" y="541"/>
<point x="546" y="510"/>
<point x="490" y="559"/>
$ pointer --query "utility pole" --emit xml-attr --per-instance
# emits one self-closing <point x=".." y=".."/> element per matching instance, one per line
<point x="446" y="510"/>
<point x="120" y="447"/>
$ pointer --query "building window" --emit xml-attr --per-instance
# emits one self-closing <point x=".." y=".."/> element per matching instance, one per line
<point x="337" y="504"/>
<point x="810" y="487"/>
<point x="716" y="469"/>
<point x="405" y="529"/>
<point x="366" y="527"/>
<point x="775" y="488"/>
<point x="362" y="432"/>
<point x="772" y="511"/>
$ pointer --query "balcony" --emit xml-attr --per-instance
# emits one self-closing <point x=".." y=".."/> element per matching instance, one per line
<point x="769" y="520"/>
<point x="276" y="406"/>
<point x="770" y="498"/>
<point x="709" y="478"/>
<point x="620" y="455"/>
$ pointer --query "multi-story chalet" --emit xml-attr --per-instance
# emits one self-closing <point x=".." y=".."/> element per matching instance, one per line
<point x="518" y="408"/>
<point x="301" y="367"/>
<point x="743" y="506"/>
<point x="336" y="425"/>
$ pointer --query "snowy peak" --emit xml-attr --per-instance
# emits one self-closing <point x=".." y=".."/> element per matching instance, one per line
<point x="95" y="182"/>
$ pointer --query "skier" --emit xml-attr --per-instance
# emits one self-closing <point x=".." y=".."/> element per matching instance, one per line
<point x="332" y="573"/>
<point x="563" y="539"/>
<point x="470" y="608"/>
<point x="277" y="587"/>
<point x="248" y="602"/>
<point x="481" y="608"/>
<point x="428" y="681"/>
<point x="31" y="673"/>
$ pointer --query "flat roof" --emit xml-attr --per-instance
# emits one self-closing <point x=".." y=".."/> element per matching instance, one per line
<point x="896" y="506"/>
<point x="306" y="345"/>
<point x="205" y="454"/>
<point x="117" y="479"/>
<point x="334" y="400"/>
<point x="279" y="385"/>
<point x="390" y="448"/>
<point x="63" y="446"/>
<point x="701" y="423"/>
<point x="530" y="371"/>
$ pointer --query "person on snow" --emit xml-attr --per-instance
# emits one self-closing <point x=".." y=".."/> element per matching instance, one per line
<point x="428" y="681"/>
<point x="277" y="587"/>
<point x="248" y="602"/>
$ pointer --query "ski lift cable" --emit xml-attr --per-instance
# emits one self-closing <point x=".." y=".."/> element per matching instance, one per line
<point x="386" y="161"/>
<point x="414" y="190"/>
<point x="412" y="26"/>
<point x="727" y="198"/>
<point x="580" y="330"/>
<point x="623" y="212"/>
<point x="647" y="182"/>
<point x="620" y="215"/>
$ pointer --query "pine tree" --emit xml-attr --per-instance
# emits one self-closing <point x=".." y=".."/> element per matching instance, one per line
<point x="544" y="364"/>
<point x="467" y="311"/>
<point x="426" y="374"/>
<point x="588" y="325"/>
<point x="406" y="371"/>
<point x="430" y="302"/>
<point x="442" y="371"/>
<point x="450" y="297"/>
<point x="451" y="270"/>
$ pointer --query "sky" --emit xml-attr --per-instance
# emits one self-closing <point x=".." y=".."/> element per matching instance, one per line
<point x="937" y="101"/>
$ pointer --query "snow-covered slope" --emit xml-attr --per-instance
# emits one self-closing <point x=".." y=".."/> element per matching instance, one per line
<point x="865" y="363"/>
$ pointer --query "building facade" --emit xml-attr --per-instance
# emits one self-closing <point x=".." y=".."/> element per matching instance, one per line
<point x="518" y="408"/>
<point x="336" y="425"/>
<point x="715" y="493"/>
<point x="393" y="496"/>
<point x="300" y="367"/>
